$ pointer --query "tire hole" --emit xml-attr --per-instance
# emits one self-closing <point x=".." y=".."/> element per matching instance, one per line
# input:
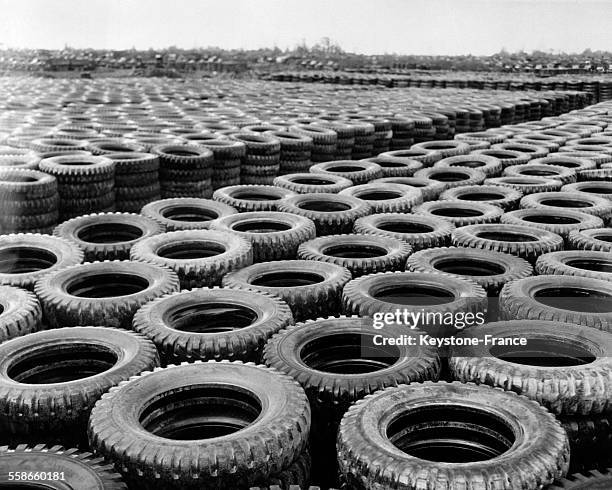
<point x="574" y="299"/>
<point x="190" y="250"/>
<point x="21" y="260"/>
<point x="210" y="318"/>
<point x="109" y="233"/>
<point x="189" y="214"/>
<point x="354" y="251"/>
<point x="413" y="295"/>
<point x="551" y="220"/>
<point x="379" y="196"/>
<point x="106" y="285"/>
<point x="544" y="353"/>
<point x="401" y="227"/>
<point x="565" y="203"/>
<point x="260" y="226"/>
<point x="287" y="279"/>
<point x="501" y="236"/>
<point x="322" y="206"/>
<point x="469" y="267"/>
<point x="591" y="265"/>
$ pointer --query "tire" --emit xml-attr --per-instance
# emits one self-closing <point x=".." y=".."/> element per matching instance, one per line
<point x="504" y="197"/>
<point x="199" y="258"/>
<point x="110" y="303"/>
<point x="331" y="213"/>
<point x="591" y="480"/>
<point x="507" y="158"/>
<point x="489" y="269"/>
<point x="597" y="265"/>
<point x="490" y="166"/>
<point x="78" y="169"/>
<point x="107" y="236"/>
<point x="582" y="387"/>
<point x="247" y="198"/>
<point x="308" y="353"/>
<point x="600" y="174"/>
<point x="569" y="299"/>
<point x="186" y="213"/>
<point x="386" y="198"/>
<point x="525" y="242"/>
<point x="311" y="289"/>
<point x="460" y="213"/>
<point x="397" y="166"/>
<point x="527" y="185"/>
<point x="212" y="324"/>
<point x="41" y="145"/>
<point x="20" y="313"/>
<point x="446" y="148"/>
<point x="566" y="160"/>
<point x="307" y="183"/>
<point x="376" y="293"/>
<point x="426" y="157"/>
<point x="110" y="146"/>
<point x="50" y="380"/>
<point x="25" y="185"/>
<point x="591" y="239"/>
<point x="418" y="231"/>
<point x="269" y="442"/>
<point x="26" y="257"/>
<point x="294" y="477"/>
<point x="360" y="254"/>
<point x="559" y="221"/>
<point x="533" y="151"/>
<point x="358" y="172"/>
<point x="279" y="241"/>
<point x="598" y="158"/>
<point x="82" y="469"/>
<point x="452" y="177"/>
<point x="430" y="189"/>
<point x="367" y="436"/>
<point x="128" y="164"/>
<point x="593" y="188"/>
<point x="580" y="201"/>
<point x="19" y="161"/>
<point x="562" y="174"/>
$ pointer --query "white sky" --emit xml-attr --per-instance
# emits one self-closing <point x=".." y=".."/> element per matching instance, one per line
<point x="367" y="26"/>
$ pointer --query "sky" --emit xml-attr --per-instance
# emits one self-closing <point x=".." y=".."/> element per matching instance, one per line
<point x="424" y="27"/>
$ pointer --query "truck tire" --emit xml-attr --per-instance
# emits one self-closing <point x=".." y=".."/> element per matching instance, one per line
<point x="311" y="289"/>
<point x="50" y="380"/>
<point x="386" y="198"/>
<point x="26" y="257"/>
<point x="258" y="417"/>
<point x="20" y="313"/>
<point x="274" y="235"/>
<point x="358" y="172"/>
<point x="578" y="201"/>
<point x="527" y="185"/>
<point x="490" y="166"/>
<point x="252" y="197"/>
<point x="398" y="425"/>
<point x="525" y="242"/>
<point x="186" y="213"/>
<point x="212" y="324"/>
<point x="307" y="183"/>
<point x="418" y="231"/>
<point x="582" y="387"/>
<point x="199" y="258"/>
<point x="504" y="197"/>
<point x="570" y="299"/>
<point x="597" y="265"/>
<point x="101" y="293"/>
<point x="430" y="189"/>
<point x="360" y="254"/>
<point x="453" y="177"/>
<point x="591" y="239"/>
<point x="460" y="213"/>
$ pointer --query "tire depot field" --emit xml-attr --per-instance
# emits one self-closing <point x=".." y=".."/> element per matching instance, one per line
<point x="189" y="273"/>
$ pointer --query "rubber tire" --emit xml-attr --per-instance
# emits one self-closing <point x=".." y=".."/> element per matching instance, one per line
<point x="364" y="171"/>
<point x="582" y="389"/>
<point x="363" y="441"/>
<point x="397" y="166"/>
<point x="490" y="166"/>
<point x="588" y="239"/>
<point x="591" y="480"/>
<point x="543" y="242"/>
<point x="107" y="249"/>
<point x="597" y="206"/>
<point x="205" y="208"/>
<point x="430" y="189"/>
<point x="358" y="299"/>
<point x="80" y="469"/>
<point x="215" y="253"/>
<point x="468" y="176"/>
<point x="516" y="301"/>
<point x="232" y="197"/>
<point x="65" y="254"/>
<point x="556" y="263"/>
<point x="306" y="301"/>
<point x="57" y="412"/>
<point x="62" y="309"/>
<point x="394" y="257"/>
<point x="419" y="231"/>
<point x="508" y="198"/>
<point x="513" y="267"/>
<point x="272" y="245"/>
<point x="20" y="313"/>
<point x="155" y="321"/>
<point x="405" y="199"/>
<point x="562" y="174"/>
<point x="591" y="187"/>
<point x="332" y="222"/>
<point x="472" y="213"/>
<point x="267" y="446"/>
<point x="526" y="185"/>
<point x="306" y="183"/>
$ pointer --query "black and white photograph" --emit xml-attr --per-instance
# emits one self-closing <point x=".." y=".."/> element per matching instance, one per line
<point x="306" y="245"/>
